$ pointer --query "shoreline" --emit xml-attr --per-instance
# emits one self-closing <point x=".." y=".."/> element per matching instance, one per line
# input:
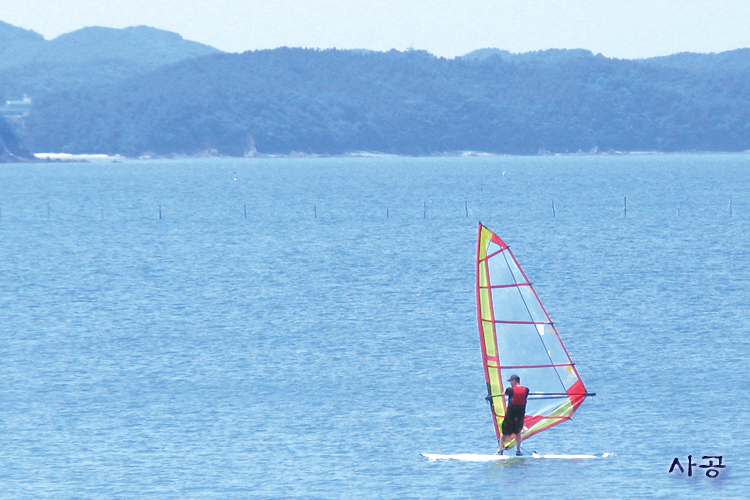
<point x="99" y="157"/>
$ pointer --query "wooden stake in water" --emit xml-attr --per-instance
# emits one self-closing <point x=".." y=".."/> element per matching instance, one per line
<point x="424" y="214"/>
<point x="554" y="214"/>
<point x="387" y="212"/>
<point x="730" y="206"/>
<point x="625" y="206"/>
<point x="315" y="211"/>
<point x="159" y="212"/>
<point x="466" y="207"/>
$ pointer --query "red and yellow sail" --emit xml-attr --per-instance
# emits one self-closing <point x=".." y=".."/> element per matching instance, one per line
<point x="518" y="337"/>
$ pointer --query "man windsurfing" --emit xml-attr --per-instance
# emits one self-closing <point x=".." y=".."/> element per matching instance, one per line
<point x="513" y="421"/>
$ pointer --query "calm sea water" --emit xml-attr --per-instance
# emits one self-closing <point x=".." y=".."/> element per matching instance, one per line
<point x="305" y="328"/>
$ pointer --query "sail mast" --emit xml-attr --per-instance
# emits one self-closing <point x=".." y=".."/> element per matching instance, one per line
<point x="487" y="336"/>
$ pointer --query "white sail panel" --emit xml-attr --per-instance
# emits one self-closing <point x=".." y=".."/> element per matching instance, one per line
<point x="520" y="345"/>
<point x="503" y="270"/>
<point x="519" y="303"/>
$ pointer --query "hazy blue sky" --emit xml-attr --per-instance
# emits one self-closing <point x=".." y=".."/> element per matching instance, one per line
<point x="616" y="28"/>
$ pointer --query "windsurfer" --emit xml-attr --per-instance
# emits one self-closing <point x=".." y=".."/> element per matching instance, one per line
<point x="513" y="421"/>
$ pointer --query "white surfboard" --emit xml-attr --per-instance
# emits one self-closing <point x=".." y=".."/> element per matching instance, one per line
<point x="469" y="457"/>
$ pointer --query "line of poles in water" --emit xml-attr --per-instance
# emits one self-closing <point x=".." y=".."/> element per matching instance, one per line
<point x="424" y="210"/>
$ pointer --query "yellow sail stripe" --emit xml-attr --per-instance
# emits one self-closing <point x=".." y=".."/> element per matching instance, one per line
<point x="487" y="327"/>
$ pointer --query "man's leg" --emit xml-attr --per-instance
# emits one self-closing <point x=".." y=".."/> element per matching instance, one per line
<point x="518" y="442"/>
<point x="502" y="444"/>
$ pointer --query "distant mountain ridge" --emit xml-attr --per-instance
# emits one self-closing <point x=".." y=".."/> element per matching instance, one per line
<point x="31" y="65"/>
<point x="732" y="59"/>
<point x="141" y="44"/>
<point x="332" y="102"/>
<point x="13" y="34"/>
<point x="143" y="91"/>
<point x="729" y="60"/>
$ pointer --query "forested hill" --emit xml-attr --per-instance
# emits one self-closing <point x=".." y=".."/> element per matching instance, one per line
<point x="11" y="150"/>
<point x="331" y="102"/>
<point x="31" y="65"/>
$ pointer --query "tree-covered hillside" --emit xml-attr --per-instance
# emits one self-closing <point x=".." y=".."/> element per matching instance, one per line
<point x="11" y="149"/>
<point x="88" y="57"/>
<point x="332" y="102"/>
